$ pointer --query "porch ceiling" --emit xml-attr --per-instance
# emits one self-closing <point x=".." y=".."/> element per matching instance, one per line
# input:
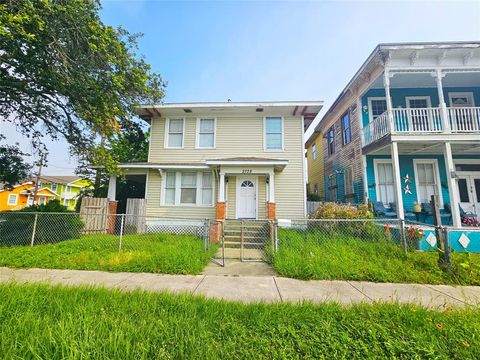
<point x="425" y="80"/>
<point x="432" y="148"/>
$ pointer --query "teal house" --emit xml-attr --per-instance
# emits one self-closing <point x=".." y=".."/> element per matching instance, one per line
<point x="406" y="127"/>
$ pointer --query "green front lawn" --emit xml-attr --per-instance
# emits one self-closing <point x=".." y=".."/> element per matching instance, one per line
<point x="317" y="255"/>
<point x="157" y="253"/>
<point x="42" y="322"/>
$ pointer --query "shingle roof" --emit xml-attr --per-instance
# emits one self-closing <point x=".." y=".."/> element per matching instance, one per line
<point x="59" y="179"/>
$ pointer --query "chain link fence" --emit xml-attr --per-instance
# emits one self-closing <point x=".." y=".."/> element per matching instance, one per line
<point x="115" y="232"/>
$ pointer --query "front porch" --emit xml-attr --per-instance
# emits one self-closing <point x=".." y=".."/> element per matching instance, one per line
<point x="246" y="187"/>
<point x="402" y="176"/>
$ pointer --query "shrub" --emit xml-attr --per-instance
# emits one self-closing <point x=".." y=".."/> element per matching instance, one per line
<point x="52" y="226"/>
<point x="332" y="210"/>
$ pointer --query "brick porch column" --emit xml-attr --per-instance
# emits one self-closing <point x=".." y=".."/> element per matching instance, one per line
<point x="271" y="210"/>
<point x="221" y="210"/>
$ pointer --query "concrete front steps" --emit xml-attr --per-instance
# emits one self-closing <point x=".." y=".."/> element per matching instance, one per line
<point x="253" y="233"/>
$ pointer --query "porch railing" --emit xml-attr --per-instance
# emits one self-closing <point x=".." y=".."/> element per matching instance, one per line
<point x="376" y="129"/>
<point x="464" y="119"/>
<point x="422" y="120"/>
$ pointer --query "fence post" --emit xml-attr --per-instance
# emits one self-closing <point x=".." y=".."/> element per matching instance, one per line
<point x="402" y="235"/>
<point x="241" y="240"/>
<point x="34" y="229"/>
<point x="122" y="221"/>
<point x="206" y="229"/>
<point x="275" y="230"/>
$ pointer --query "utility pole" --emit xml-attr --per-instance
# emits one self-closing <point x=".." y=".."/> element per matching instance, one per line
<point x="37" y="180"/>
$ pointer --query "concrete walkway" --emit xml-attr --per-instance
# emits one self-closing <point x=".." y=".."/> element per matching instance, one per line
<point x="258" y="288"/>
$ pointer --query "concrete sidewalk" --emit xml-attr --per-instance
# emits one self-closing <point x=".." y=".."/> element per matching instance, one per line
<point x="258" y="288"/>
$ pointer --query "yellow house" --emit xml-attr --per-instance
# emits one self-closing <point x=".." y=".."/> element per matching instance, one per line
<point x="21" y="196"/>
<point x="314" y="155"/>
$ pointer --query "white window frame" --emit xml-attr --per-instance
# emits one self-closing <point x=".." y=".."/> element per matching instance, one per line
<point x="436" y="173"/>
<point x="178" y="189"/>
<point x="314" y="151"/>
<point x="370" y="114"/>
<point x="468" y="94"/>
<point x="42" y="198"/>
<point x="167" y="130"/>
<point x="408" y="98"/>
<point x="68" y="189"/>
<point x="66" y="202"/>
<point x="197" y="137"/>
<point x="54" y="187"/>
<point x="377" y="190"/>
<point x="16" y="199"/>
<point x="265" y="134"/>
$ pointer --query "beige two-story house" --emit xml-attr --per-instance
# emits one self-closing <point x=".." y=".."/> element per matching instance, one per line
<point x="225" y="160"/>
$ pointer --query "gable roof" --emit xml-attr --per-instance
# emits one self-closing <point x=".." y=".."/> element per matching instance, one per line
<point x="59" y="179"/>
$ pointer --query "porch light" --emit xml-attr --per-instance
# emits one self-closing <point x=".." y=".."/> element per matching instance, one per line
<point x="226" y="179"/>
<point x="267" y="180"/>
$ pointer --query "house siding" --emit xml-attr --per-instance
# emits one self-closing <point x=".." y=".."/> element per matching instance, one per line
<point x="349" y="155"/>
<point x="315" y="168"/>
<point x="235" y="136"/>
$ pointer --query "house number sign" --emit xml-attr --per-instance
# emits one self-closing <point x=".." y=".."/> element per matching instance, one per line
<point x="246" y="171"/>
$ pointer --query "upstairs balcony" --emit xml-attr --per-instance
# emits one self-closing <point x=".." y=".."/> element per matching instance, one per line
<point x="460" y="120"/>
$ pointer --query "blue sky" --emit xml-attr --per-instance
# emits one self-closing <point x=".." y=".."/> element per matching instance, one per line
<point x="293" y="50"/>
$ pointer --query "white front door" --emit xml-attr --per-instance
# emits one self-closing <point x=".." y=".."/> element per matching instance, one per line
<point x="469" y="193"/>
<point x="246" y="197"/>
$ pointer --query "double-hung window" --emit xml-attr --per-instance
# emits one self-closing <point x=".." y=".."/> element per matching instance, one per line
<point x="206" y="133"/>
<point x="331" y="141"/>
<point x="273" y="133"/>
<point x="188" y="188"/>
<point x="54" y="187"/>
<point x="314" y="151"/>
<point x="188" y="193"/>
<point x="12" y="199"/>
<point x="346" y="131"/>
<point x="384" y="180"/>
<point x="175" y="128"/>
<point x="426" y="180"/>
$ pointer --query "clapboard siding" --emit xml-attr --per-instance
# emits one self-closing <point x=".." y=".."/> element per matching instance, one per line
<point x="235" y="137"/>
<point x="315" y="168"/>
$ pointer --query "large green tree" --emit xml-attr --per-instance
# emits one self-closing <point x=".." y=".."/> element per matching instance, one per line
<point x="66" y="74"/>
<point x="13" y="169"/>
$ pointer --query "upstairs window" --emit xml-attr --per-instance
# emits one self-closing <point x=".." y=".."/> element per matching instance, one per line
<point x="206" y="133"/>
<point x="54" y="187"/>
<point x="346" y="132"/>
<point x="314" y="151"/>
<point x="377" y="107"/>
<point x="331" y="140"/>
<point x="273" y="133"/>
<point x="175" y="133"/>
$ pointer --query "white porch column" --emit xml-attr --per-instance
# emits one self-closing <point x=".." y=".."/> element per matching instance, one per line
<point x="271" y="187"/>
<point x="112" y="187"/>
<point x="388" y="99"/>
<point x="452" y="185"/>
<point x="397" y="182"/>
<point x="221" y="188"/>
<point x="443" y="107"/>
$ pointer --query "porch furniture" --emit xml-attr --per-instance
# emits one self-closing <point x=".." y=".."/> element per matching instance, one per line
<point x="427" y="210"/>
<point x="466" y="214"/>
<point x="380" y="211"/>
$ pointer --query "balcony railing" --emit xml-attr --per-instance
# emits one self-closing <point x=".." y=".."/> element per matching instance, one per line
<point x="464" y="119"/>
<point x="422" y="120"/>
